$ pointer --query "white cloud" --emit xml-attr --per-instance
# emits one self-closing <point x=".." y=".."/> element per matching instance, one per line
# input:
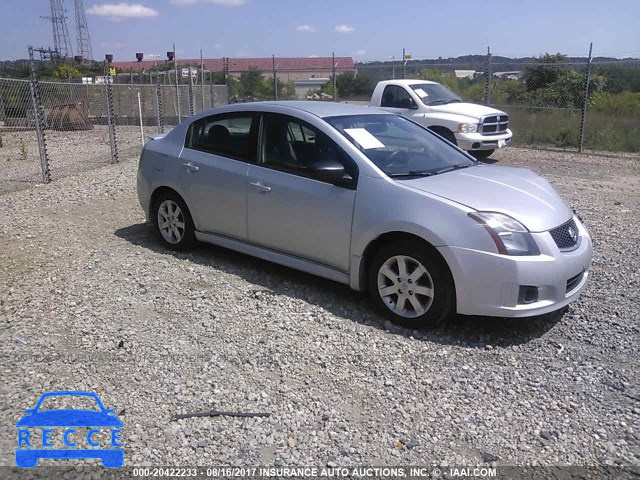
<point x="217" y="45"/>
<point x="313" y="56"/>
<point x="224" y="3"/>
<point x="306" y="28"/>
<point x="344" y="29"/>
<point x="361" y="51"/>
<point x="122" y="10"/>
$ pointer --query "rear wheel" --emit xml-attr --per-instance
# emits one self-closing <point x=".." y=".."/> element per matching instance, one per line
<point x="410" y="284"/>
<point x="174" y="225"/>
<point x="482" y="154"/>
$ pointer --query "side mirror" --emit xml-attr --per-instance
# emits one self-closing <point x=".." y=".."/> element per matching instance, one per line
<point x="330" y="171"/>
<point x="407" y="103"/>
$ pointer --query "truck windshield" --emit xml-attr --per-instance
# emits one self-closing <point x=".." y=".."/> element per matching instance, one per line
<point x="400" y="147"/>
<point x="435" y="94"/>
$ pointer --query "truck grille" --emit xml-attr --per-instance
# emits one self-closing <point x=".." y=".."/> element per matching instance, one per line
<point x="495" y="124"/>
<point x="566" y="236"/>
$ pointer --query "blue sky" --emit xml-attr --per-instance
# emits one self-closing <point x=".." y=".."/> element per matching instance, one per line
<point x="366" y="30"/>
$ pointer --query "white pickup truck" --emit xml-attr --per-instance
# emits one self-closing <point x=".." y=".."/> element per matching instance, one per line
<point x="475" y="128"/>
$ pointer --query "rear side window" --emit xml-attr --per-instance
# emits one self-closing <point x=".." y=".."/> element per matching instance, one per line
<point x="227" y="135"/>
<point x="395" y="97"/>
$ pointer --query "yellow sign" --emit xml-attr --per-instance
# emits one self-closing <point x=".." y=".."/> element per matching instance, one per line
<point x="112" y="71"/>
<point x="407" y="55"/>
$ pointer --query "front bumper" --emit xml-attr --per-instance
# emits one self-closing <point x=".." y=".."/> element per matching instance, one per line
<point x="478" y="141"/>
<point x="490" y="284"/>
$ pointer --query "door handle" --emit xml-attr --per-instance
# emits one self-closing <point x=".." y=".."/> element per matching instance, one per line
<point x="191" y="167"/>
<point x="261" y="187"/>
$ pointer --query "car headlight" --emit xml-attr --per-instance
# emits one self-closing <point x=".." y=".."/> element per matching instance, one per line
<point x="509" y="235"/>
<point x="468" y="127"/>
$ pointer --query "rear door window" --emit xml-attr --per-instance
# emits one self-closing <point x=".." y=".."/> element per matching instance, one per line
<point x="229" y="135"/>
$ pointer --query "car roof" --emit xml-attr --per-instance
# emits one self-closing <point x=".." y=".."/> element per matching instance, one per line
<point x="317" y="108"/>
<point x="406" y="81"/>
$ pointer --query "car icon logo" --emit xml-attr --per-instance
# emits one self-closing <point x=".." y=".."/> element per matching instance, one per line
<point x="33" y="445"/>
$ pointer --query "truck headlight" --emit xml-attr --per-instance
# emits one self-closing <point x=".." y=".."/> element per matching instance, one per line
<point x="468" y="127"/>
<point x="509" y="235"/>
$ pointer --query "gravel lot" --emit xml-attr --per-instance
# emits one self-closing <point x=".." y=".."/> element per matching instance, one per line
<point x="89" y="301"/>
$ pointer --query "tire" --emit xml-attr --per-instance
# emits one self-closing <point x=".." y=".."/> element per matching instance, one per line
<point x="388" y="287"/>
<point x="482" y="154"/>
<point x="173" y="222"/>
<point x="445" y="133"/>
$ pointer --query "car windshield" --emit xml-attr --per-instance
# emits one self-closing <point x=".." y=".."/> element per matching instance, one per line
<point x="399" y="147"/>
<point x="63" y="402"/>
<point x="435" y="94"/>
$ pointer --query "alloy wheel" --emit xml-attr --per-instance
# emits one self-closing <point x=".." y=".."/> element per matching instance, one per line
<point x="171" y="222"/>
<point x="405" y="286"/>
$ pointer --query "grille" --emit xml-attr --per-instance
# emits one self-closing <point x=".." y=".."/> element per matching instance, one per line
<point x="574" y="281"/>
<point x="495" y="124"/>
<point x="563" y="237"/>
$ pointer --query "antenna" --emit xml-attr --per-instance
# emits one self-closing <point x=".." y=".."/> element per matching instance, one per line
<point x="61" y="42"/>
<point x="82" y="30"/>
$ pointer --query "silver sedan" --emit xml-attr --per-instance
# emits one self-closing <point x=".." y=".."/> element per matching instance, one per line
<point x="371" y="200"/>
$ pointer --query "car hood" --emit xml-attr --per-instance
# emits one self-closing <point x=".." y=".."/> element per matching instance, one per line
<point x="466" y="109"/>
<point x="517" y="192"/>
<point x="69" y="418"/>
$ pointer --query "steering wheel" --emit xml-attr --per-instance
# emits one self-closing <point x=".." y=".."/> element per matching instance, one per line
<point x="397" y="158"/>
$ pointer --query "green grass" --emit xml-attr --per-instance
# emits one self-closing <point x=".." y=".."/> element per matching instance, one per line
<point x="561" y="128"/>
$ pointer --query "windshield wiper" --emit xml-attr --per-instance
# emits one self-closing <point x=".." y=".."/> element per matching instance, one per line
<point x="411" y="173"/>
<point x="451" y="168"/>
<point x="444" y="102"/>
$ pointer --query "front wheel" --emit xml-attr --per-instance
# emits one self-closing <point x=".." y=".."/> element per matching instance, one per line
<point x="174" y="224"/>
<point x="481" y="154"/>
<point x="410" y="284"/>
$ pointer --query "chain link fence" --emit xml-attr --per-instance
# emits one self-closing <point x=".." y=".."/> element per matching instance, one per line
<point x="552" y="101"/>
<point x="83" y="126"/>
<point x="19" y="154"/>
<point x="51" y="129"/>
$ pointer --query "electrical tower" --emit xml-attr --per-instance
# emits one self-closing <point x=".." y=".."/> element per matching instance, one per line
<point x="82" y="30"/>
<point x="61" y="41"/>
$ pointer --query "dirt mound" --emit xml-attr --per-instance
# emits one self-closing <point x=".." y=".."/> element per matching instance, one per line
<point x="68" y="117"/>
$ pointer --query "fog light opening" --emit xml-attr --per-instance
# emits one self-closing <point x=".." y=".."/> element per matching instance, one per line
<point x="475" y="145"/>
<point x="527" y="294"/>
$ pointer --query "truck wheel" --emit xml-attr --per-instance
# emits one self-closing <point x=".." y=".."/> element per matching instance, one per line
<point x="445" y="133"/>
<point x="482" y="154"/>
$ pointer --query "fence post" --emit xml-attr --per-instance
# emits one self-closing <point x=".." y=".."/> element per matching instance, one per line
<point x="488" y="75"/>
<point x="38" y="113"/>
<point x="404" y="65"/>
<point x="275" y="77"/>
<point x="211" y="90"/>
<point x="191" y="99"/>
<point x="111" y="118"/>
<point x="225" y="69"/>
<point x="159" y="108"/>
<point x="585" y="102"/>
<point x="333" y="70"/>
<point x="202" y="79"/>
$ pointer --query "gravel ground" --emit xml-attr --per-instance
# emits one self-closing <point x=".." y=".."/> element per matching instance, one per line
<point x="89" y="301"/>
